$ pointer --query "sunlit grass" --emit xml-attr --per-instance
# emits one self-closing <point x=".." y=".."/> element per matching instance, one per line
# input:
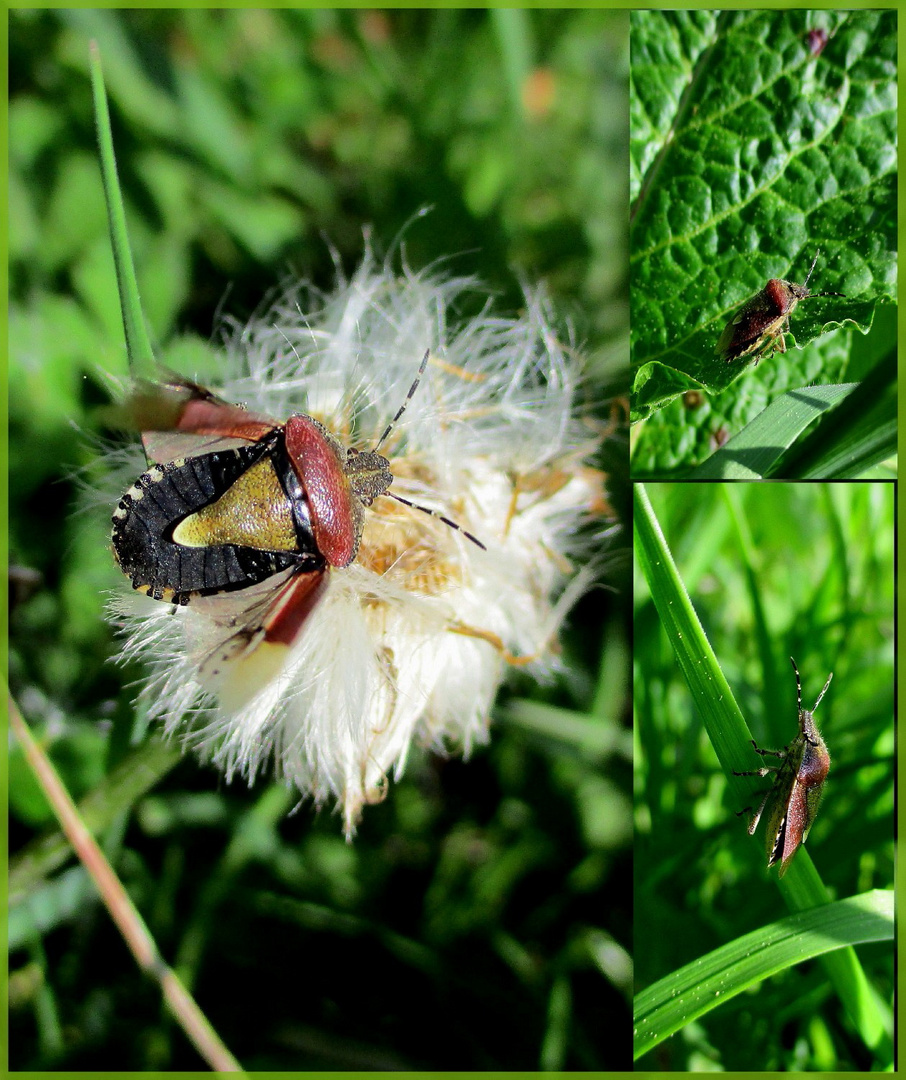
<point x="773" y="571"/>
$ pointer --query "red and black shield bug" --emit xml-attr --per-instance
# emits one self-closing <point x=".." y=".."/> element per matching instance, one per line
<point x="239" y="503"/>
<point x="798" y="785"/>
<point x="760" y="324"/>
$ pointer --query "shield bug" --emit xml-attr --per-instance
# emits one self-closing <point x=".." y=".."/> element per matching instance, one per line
<point x="760" y="324"/>
<point x="237" y="503"/>
<point x="793" y="798"/>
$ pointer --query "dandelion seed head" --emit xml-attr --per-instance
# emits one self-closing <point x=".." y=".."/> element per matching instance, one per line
<point x="411" y="641"/>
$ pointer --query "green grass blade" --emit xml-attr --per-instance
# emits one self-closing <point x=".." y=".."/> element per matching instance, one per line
<point x="674" y="1001"/>
<point x="712" y="695"/>
<point x="111" y="799"/>
<point x="752" y="453"/>
<point x="141" y="357"/>
<point x="861" y="432"/>
<point x="802" y="887"/>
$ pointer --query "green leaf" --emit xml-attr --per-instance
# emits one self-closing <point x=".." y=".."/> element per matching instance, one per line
<point x="679" y="998"/>
<point x="749" y="154"/>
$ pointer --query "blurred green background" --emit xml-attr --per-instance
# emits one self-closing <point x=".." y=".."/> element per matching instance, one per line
<point x="773" y="571"/>
<point x="481" y="920"/>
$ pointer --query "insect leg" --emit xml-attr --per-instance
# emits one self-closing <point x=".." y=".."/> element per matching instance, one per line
<point x="763" y="771"/>
<point x="756" y="817"/>
<point x="773" y="753"/>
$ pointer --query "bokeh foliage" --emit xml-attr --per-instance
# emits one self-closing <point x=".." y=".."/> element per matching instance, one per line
<point x="481" y="919"/>
<point x="752" y="148"/>
<point x="773" y="571"/>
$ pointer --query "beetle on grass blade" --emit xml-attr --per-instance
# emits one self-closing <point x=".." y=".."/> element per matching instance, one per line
<point x="238" y="503"/>
<point x="760" y="324"/>
<point x="798" y="785"/>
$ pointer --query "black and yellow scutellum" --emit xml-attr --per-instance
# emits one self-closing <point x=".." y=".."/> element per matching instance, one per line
<point x="215" y="523"/>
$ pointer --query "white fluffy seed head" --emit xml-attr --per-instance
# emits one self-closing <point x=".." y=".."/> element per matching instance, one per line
<point x="412" y="640"/>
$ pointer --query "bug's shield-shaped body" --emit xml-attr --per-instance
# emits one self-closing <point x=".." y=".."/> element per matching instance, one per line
<point x="760" y="324"/>
<point x="796" y="795"/>
<point x="792" y="801"/>
<point x="241" y="516"/>
<point x="762" y="321"/>
<point x="215" y="523"/>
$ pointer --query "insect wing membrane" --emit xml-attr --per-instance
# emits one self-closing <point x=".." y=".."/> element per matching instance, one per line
<point x="726" y="339"/>
<point x="181" y="419"/>
<point x="795" y="820"/>
<point x="743" y="334"/>
<point x="261" y="624"/>
<point x="813" y="801"/>
<point x="777" y="829"/>
<point x="163" y="446"/>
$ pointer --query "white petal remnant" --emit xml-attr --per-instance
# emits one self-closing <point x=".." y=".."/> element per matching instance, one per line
<point x="412" y="639"/>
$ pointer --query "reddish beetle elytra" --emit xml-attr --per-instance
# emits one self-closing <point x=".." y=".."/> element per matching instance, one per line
<point x="234" y="500"/>
<point x="798" y="785"/>
<point x="761" y="322"/>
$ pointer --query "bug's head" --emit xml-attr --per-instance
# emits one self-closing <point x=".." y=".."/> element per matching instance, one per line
<point x="368" y="473"/>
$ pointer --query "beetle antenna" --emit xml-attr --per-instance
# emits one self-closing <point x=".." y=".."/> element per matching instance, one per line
<point x="445" y="520"/>
<point x="408" y="398"/>
<point x="399" y="498"/>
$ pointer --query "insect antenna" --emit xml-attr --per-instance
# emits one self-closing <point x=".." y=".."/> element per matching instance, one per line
<point x="821" y="695"/>
<point x="390" y="426"/>
<point x="408" y="398"/>
<point x="809" y="274"/>
<point x="799" y="688"/>
<point x="811" y="268"/>
<point x="437" y="514"/>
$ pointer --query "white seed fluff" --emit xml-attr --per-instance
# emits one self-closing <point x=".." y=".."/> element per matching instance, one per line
<point x="412" y="640"/>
